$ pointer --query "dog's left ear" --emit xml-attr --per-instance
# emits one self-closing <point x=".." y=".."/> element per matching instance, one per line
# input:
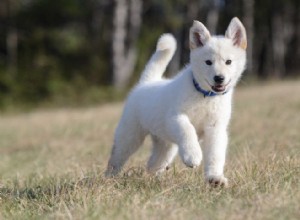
<point x="237" y="33"/>
<point x="199" y="35"/>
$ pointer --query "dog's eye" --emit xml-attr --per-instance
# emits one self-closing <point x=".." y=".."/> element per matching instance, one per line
<point x="228" y="62"/>
<point x="208" y="62"/>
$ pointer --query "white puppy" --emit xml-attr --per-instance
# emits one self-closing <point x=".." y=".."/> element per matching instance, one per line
<point x="194" y="106"/>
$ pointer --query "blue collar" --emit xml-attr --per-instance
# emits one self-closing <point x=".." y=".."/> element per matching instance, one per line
<point x="204" y="92"/>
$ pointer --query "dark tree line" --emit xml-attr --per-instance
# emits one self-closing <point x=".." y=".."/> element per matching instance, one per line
<point x="49" y="47"/>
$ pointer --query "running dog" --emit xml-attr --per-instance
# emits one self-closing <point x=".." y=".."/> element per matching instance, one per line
<point x="192" y="108"/>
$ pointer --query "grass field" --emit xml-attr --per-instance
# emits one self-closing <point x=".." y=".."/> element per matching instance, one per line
<point x="52" y="164"/>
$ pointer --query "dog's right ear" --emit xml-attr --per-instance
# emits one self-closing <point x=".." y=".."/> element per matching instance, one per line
<point x="199" y="35"/>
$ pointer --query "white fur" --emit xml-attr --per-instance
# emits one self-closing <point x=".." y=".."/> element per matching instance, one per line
<point x="174" y="113"/>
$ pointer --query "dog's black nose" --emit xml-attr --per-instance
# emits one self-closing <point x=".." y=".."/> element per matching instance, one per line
<point x="219" y="78"/>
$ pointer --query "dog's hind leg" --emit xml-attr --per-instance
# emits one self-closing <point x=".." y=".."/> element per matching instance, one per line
<point x="163" y="153"/>
<point x="128" y="139"/>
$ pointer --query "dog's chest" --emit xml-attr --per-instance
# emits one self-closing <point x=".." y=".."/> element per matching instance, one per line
<point x="207" y="112"/>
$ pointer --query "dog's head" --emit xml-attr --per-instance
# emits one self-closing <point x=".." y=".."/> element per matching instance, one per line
<point x="218" y="61"/>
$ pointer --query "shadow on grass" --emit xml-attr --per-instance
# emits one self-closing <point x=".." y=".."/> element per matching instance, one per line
<point x="36" y="188"/>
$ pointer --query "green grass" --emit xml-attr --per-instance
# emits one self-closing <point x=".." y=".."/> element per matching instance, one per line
<point x="52" y="164"/>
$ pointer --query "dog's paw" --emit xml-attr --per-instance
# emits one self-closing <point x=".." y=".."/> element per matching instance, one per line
<point x="191" y="157"/>
<point x="192" y="161"/>
<point x="157" y="171"/>
<point x="216" y="181"/>
<point x="111" y="171"/>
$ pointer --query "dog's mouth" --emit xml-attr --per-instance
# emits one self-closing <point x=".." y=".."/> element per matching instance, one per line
<point x="219" y="88"/>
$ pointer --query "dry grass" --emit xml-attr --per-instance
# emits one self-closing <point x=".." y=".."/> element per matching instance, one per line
<point x="51" y="165"/>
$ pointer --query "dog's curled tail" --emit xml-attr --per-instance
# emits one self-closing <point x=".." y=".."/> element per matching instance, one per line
<point x="156" y="66"/>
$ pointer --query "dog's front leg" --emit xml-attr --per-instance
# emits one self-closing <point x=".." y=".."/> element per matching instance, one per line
<point x="215" y="144"/>
<point x="183" y="133"/>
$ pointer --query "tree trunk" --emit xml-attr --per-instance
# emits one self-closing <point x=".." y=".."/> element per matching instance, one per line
<point x="124" y="40"/>
<point x="297" y="40"/>
<point x="182" y="37"/>
<point x="213" y="17"/>
<point x="248" y="22"/>
<point x="11" y="40"/>
<point x="289" y="31"/>
<point x="278" y="46"/>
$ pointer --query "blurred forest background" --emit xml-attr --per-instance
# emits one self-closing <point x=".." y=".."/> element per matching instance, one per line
<point x="73" y="52"/>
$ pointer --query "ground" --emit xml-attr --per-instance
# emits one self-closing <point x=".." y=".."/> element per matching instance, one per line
<point x="52" y="164"/>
